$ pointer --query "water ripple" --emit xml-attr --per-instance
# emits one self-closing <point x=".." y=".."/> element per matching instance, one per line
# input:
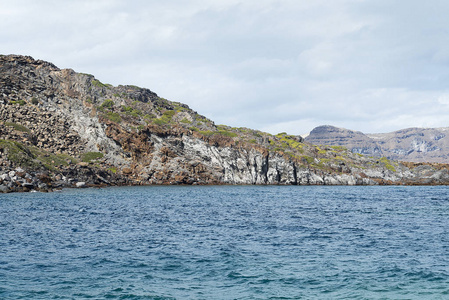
<point x="226" y="242"/>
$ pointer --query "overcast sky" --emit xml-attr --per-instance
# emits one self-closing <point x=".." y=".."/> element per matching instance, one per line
<point x="273" y="65"/>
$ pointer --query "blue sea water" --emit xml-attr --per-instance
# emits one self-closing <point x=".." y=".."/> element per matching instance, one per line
<point x="226" y="242"/>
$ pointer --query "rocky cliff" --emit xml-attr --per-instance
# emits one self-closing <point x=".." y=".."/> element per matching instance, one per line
<point x="60" y="128"/>
<point x="412" y="144"/>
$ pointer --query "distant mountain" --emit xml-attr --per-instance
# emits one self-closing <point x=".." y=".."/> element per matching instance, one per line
<point x="411" y="144"/>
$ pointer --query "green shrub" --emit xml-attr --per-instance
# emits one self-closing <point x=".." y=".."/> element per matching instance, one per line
<point x="165" y="118"/>
<point x="108" y="103"/>
<point x="131" y="111"/>
<point x="34" y="101"/>
<point x="127" y="108"/>
<point x="114" y="117"/>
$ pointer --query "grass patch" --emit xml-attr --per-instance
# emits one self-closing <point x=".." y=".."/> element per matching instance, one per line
<point x="51" y="160"/>
<point x="17" y="127"/>
<point x="19" y="154"/>
<point x="387" y="164"/>
<point x="33" y="157"/>
<point x="227" y="133"/>
<point x="89" y="156"/>
<point x="307" y="159"/>
<point x="207" y="132"/>
<point x="219" y="132"/>
<point x="98" y="83"/>
<point x="339" y="148"/>
<point x="19" y="102"/>
<point x="113" y="170"/>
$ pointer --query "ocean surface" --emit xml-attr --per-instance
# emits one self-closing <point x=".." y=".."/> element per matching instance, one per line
<point x="226" y="242"/>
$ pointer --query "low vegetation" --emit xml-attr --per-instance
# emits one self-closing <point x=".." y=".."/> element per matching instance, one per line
<point x="90" y="156"/>
<point x="33" y="157"/>
<point x="17" y="127"/>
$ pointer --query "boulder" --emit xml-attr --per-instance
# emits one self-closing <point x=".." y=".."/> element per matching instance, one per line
<point x="28" y="185"/>
<point x="81" y="184"/>
<point x="5" y="177"/>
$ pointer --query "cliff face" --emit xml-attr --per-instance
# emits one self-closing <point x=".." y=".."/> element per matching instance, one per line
<point x="412" y="144"/>
<point x="356" y="141"/>
<point x="62" y="128"/>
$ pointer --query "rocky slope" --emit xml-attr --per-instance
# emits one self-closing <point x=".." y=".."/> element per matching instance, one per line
<point x="60" y="128"/>
<point x="412" y="144"/>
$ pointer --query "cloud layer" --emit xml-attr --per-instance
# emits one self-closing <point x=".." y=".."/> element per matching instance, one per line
<point x="274" y="65"/>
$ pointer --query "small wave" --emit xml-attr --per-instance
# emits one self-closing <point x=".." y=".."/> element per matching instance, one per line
<point x="427" y="275"/>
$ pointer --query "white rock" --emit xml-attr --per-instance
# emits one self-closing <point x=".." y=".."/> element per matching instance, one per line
<point x="81" y="184"/>
<point x="5" y="177"/>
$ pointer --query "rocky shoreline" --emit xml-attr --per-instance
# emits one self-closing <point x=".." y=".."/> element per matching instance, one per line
<point x="59" y="129"/>
<point x="20" y="180"/>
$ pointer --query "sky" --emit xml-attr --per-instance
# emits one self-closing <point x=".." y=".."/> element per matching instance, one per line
<point x="274" y="65"/>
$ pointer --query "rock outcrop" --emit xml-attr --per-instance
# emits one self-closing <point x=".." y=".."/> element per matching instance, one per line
<point x="59" y="128"/>
<point x="412" y="144"/>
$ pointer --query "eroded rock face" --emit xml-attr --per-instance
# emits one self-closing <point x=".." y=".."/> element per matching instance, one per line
<point x="52" y="118"/>
<point x="415" y="144"/>
<point x="412" y="144"/>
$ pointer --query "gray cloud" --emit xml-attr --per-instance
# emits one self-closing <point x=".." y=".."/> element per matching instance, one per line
<point x="274" y="65"/>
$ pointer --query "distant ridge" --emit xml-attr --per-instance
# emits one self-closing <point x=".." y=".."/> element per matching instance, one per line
<point x="411" y="144"/>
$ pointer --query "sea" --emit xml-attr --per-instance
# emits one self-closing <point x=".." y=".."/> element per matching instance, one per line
<point x="226" y="242"/>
